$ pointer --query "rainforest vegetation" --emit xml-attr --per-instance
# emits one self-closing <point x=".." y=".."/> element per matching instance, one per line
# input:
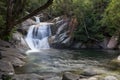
<point x="97" y="19"/>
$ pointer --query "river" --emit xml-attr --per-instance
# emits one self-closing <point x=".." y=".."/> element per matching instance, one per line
<point x="58" y="61"/>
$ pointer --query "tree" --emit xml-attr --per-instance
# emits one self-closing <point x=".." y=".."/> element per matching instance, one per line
<point x="111" y="17"/>
<point x="14" y="10"/>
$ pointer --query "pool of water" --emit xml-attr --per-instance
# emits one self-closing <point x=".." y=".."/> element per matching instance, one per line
<point x="57" y="61"/>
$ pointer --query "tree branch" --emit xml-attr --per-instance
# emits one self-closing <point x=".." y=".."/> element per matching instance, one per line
<point x="35" y="12"/>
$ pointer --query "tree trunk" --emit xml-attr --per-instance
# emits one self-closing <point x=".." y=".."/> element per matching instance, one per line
<point x="11" y="22"/>
<point x="35" y="12"/>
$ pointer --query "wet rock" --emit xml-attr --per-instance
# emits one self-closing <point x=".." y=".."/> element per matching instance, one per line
<point x="89" y="72"/>
<point x="6" y="67"/>
<point x="14" y="61"/>
<point x="70" y="76"/>
<point x="110" y="78"/>
<point x="27" y="77"/>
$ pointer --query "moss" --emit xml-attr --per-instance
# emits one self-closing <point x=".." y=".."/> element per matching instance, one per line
<point x="114" y="64"/>
<point x="79" y="71"/>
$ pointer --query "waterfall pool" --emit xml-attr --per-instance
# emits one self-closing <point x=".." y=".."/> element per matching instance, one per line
<point x="58" y="61"/>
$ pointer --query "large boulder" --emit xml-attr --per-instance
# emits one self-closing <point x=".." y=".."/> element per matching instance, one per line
<point x="90" y="72"/>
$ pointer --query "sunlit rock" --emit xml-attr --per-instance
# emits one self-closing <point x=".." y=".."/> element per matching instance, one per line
<point x="110" y="78"/>
<point x="113" y="42"/>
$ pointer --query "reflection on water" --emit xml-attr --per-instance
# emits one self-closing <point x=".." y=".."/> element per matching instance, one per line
<point x="65" y="60"/>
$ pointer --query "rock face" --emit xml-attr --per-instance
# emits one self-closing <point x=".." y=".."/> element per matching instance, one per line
<point x="104" y="43"/>
<point x="9" y="57"/>
<point x="27" y="77"/>
<point x="113" y="42"/>
<point x="18" y="40"/>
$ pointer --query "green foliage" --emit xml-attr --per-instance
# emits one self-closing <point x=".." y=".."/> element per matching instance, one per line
<point x="2" y="16"/>
<point x="111" y="17"/>
<point x="88" y="13"/>
<point x="95" y="17"/>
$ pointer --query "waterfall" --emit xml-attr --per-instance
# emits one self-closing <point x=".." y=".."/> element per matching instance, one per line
<point x="37" y="19"/>
<point x="37" y="37"/>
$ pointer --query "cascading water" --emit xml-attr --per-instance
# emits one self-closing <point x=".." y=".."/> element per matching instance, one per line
<point x="37" y="37"/>
<point x="37" y="19"/>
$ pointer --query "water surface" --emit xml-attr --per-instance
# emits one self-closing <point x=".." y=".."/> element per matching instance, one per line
<point x="57" y="61"/>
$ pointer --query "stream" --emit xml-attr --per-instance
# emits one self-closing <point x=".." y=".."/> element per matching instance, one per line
<point x="58" y="61"/>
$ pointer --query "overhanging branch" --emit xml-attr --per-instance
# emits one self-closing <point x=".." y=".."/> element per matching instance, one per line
<point x="35" y="12"/>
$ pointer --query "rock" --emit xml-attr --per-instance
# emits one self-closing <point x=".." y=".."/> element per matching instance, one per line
<point x="104" y="43"/>
<point x="110" y="78"/>
<point x="9" y="53"/>
<point x="6" y="67"/>
<point x="83" y="46"/>
<point x="70" y="76"/>
<point x="26" y="24"/>
<point x="92" y="78"/>
<point x="89" y="72"/>
<point x="113" y="42"/>
<point x="14" y="61"/>
<point x="27" y="77"/>
<point x="118" y="58"/>
<point x="4" y="44"/>
<point x="18" y="40"/>
<point x="77" y="45"/>
<point x="114" y="64"/>
<point x="0" y="55"/>
<point x="54" y="78"/>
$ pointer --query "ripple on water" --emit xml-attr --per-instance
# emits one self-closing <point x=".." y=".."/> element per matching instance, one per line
<point x="65" y="60"/>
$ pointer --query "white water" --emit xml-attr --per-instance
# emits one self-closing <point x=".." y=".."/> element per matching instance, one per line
<point x="37" y="37"/>
<point x="37" y="19"/>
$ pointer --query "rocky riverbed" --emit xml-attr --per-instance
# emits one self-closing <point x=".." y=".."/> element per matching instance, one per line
<point x="11" y="58"/>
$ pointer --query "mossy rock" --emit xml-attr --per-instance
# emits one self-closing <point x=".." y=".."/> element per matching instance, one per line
<point x="114" y="64"/>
